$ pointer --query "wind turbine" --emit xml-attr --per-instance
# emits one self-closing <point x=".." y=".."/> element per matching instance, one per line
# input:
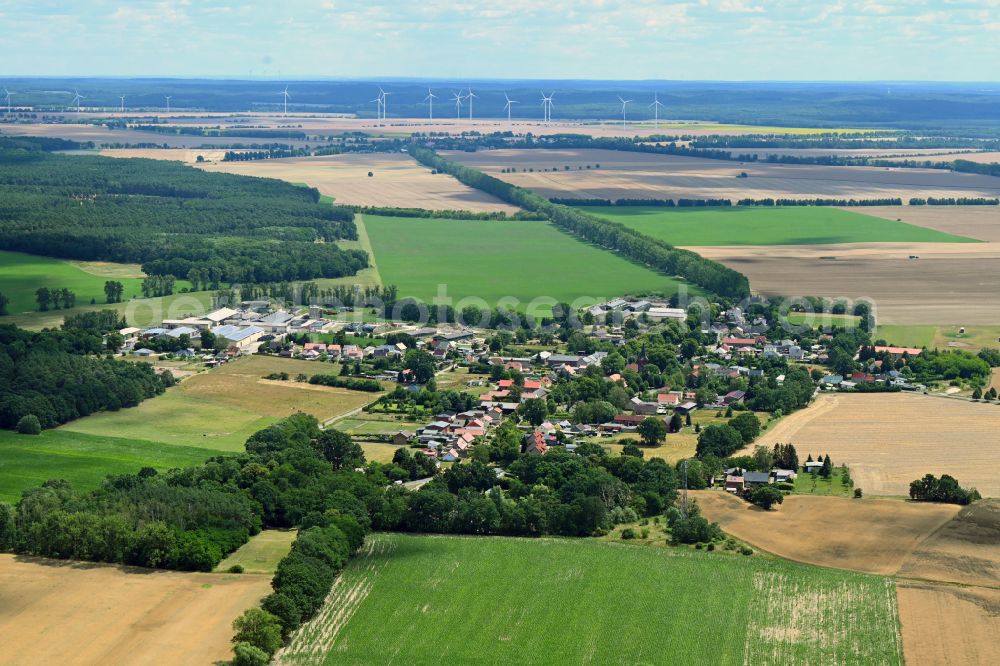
<point x="547" y="106"/>
<point x="625" y="103"/>
<point x="430" y="99"/>
<point x="168" y="104"/>
<point x="123" y="103"/>
<point x="385" y="102"/>
<point x="76" y="100"/>
<point x="469" y="97"/>
<point x="286" y="96"/>
<point x="9" y="96"/>
<point x="457" y="98"/>
<point x="656" y="109"/>
<point x="378" y="108"/>
<point x="507" y="107"/>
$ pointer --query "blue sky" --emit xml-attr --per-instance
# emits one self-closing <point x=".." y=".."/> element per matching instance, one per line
<point x="941" y="40"/>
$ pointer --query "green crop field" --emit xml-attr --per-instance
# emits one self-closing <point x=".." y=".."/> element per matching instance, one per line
<point x="467" y="600"/>
<point x="81" y="459"/>
<point x="793" y="225"/>
<point x="491" y="260"/>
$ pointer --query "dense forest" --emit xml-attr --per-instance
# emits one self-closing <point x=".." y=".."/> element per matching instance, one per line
<point x="58" y="375"/>
<point x="660" y="256"/>
<point x="170" y="218"/>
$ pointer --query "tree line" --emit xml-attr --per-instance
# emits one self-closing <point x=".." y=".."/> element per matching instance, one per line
<point x="171" y="218"/>
<point x="656" y="254"/>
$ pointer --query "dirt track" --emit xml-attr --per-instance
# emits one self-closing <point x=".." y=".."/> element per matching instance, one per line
<point x="55" y="612"/>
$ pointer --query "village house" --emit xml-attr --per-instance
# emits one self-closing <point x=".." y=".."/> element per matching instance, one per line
<point x="533" y="443"/>
<point x="898" y="352"/>
<point x="639" y="406"/>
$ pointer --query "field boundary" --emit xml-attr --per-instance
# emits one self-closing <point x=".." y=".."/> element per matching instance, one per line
<point x="366" y="245"/>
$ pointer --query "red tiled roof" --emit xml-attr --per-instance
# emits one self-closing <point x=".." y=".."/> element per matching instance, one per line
<point x="899" y="351"/>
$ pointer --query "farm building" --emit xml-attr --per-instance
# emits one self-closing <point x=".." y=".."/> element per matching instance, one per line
<point x="240" y="337"/>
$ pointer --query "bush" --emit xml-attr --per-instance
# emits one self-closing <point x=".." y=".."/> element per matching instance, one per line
<point x="29" y="425"/>
<point x="857" y="493"/>
<point x="695" y="529"/>
<point x="746" y="551"/>
<point x="236" y="569"/>
<point x="628" y="533"/>
<point x="711" y="546"/>
<point x="245" y="654"/>
<point x="259" y="629"/>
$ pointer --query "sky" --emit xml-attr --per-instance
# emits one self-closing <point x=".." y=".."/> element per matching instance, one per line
<point x="886" y="40"/>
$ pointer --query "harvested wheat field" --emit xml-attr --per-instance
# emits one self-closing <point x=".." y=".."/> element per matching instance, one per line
<point x="890" y="439"/>
<point x="964" y="550"/>
<point x="979" y="222"/>
<point x="979" y="158"/>
<point x="870" y="535"/>
<point x="950" y="283"/>
<point x="56" y="612"/>
<point x="921" y="154"/>
<point x="187" y="155"/>
<point x="639" y="175"/>
<point x="948" y="625"/>
<point x="397" y="181"/>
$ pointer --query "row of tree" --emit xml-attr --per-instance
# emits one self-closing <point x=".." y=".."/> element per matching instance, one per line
<point x="946" y="489"/>
<point x="55" y="299"/>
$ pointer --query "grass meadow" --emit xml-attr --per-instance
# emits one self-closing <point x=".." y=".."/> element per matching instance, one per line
<point x="22" y="274"/>
<point x="219" y="409"/>
<point x="466" y="600"/>
<point x="491" y="260"/>
<point x="261" y="554"/>
<point x="793" y="225"/>
<point x="940" y="337"/>
<point x="81" y="459"/>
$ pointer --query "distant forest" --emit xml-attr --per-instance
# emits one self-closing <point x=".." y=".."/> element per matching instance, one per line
<point x="169" y="217"/>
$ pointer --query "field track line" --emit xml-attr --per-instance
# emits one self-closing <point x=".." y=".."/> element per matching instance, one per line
<point x="314" y="640"/>
<point x="366" y="245"/>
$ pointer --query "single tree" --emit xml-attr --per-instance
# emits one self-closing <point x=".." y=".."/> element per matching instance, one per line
<point x="676" y="423"/>
<point x="653" y="431"/>
<point x="340" y="450"/>
<point x="533" y="410"/>
<point x="4" y="302"/>
<point x="43" y="297"/>
<point x="766" y="496"/>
